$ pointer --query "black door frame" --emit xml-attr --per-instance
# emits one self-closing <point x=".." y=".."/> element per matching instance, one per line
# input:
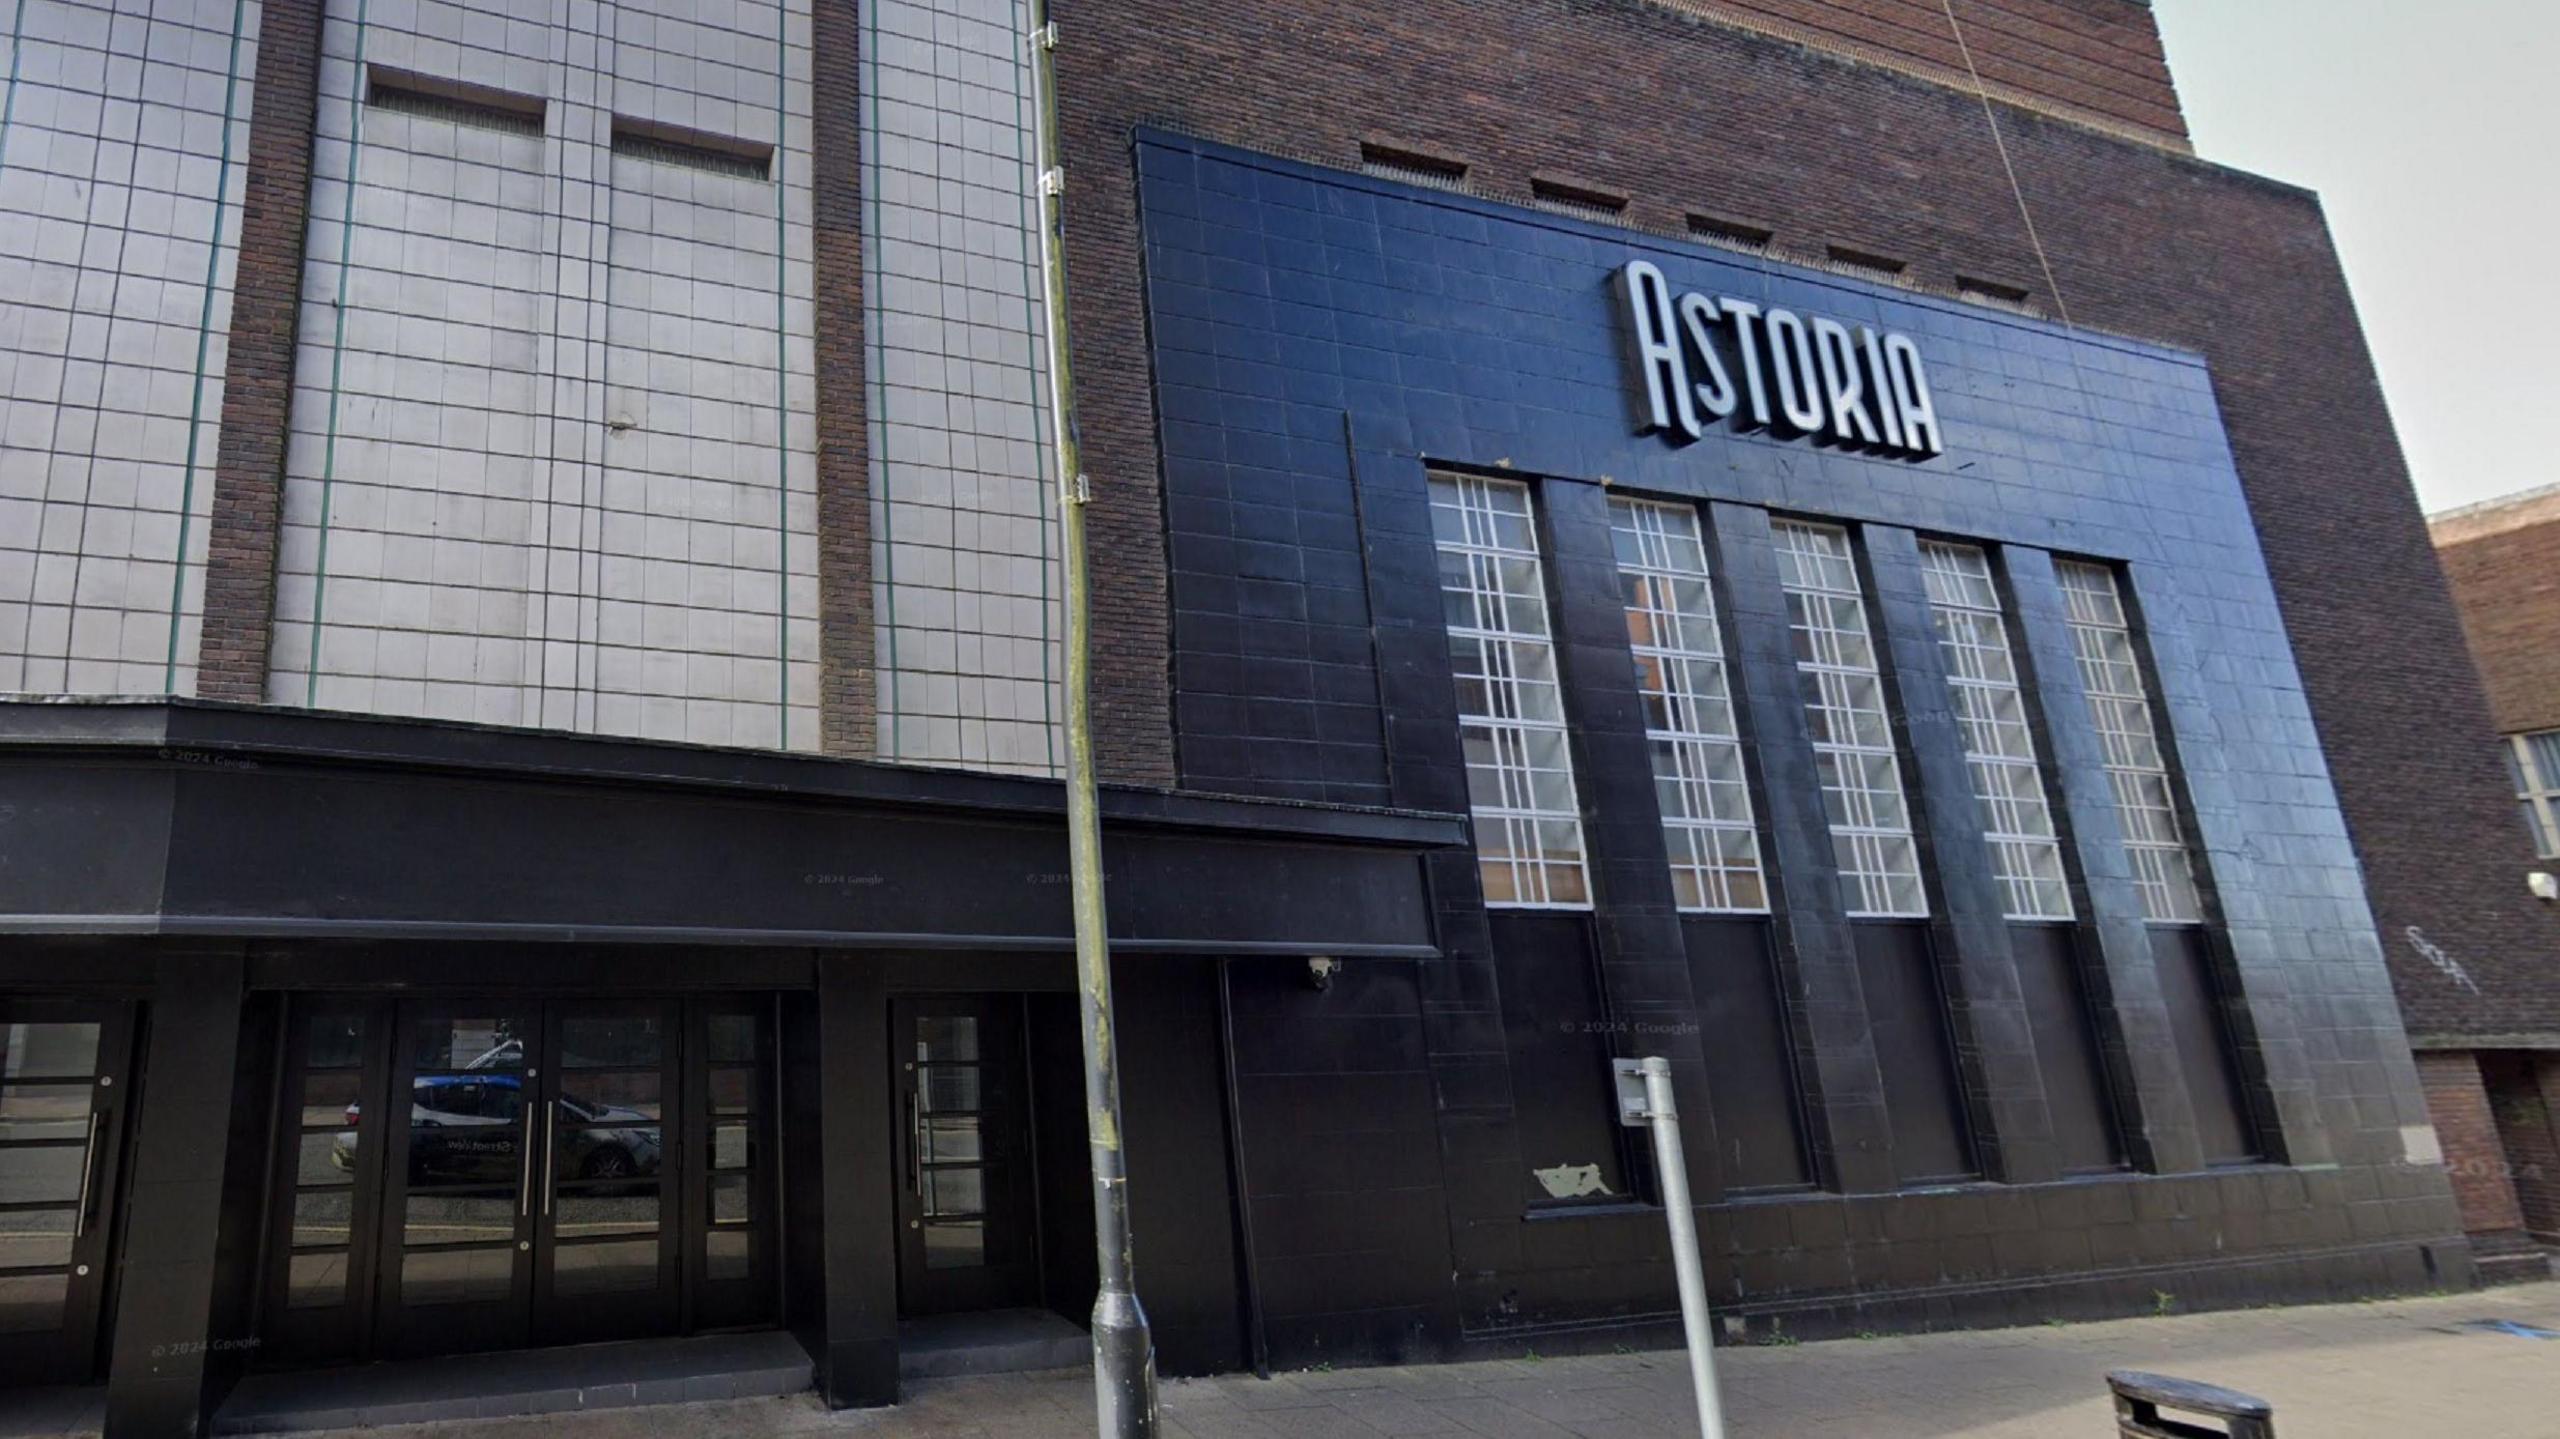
<point x="559" y="1318"/>
<point x="318" y="1332"/>
<point x="372" y="1323"/>
<point x="74" y="1352"/>
<point x="403" y="1329"/>
<point x="1010" y="1201"/>
<point x="752" y="1298"/>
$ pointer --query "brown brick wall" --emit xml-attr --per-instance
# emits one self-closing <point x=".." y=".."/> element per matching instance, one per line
<point x="257" y="379"/>
<point x="2473" y="1153"/>
<point x="848" y="717"/>
<point x="2099" y="61"/>
<point x="2504" y="566"/>
<point x="1689" y="117"/>
<point x="2524" y="1096"/>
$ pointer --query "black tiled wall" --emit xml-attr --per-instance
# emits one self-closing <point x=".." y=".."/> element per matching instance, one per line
<point x="1321" y="340"/>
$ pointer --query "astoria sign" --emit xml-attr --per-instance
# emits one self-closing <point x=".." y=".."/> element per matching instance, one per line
<point x="1701" y="359"/>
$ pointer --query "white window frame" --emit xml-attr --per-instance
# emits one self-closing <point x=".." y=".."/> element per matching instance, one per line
<point x="1699" y="778"/>
<point x="1843" y="689"/>
<point x="1520" y="778"/>
<point x="2537" y="777"/>
<point x="2120" y="706"/>
<point x="1999" y="744"/>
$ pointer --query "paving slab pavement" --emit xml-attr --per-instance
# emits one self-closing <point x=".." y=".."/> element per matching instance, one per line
<point x="2383" y="1370"/>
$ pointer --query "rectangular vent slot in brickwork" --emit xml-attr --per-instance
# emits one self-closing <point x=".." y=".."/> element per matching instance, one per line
<point x="1996" y="295"/>
<point x="692" y="149"/>
<point x="1389" y="161"/>
<point x="1732" y="234"/>
<point x="433" y="97"/>
<point x="1577" y="197"/>
<point x="1867" y="263"/>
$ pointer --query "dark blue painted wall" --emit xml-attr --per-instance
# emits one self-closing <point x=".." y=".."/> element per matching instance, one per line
<point x="1321" y="339"/>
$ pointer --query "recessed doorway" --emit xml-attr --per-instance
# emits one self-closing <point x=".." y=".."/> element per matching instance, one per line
<point x="968" y="1217"/>
<point x="65" y="1074"/>
<point x="469" y="1174"/>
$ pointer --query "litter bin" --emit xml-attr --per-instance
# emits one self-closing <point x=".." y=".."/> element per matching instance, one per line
<point x="2146" y="1404"/>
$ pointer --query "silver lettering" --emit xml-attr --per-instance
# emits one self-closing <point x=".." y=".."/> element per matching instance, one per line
<point x="1654" y="350"/>
<point x="1803" y="374"/>
<point x="1911" y="392"/>
<point x="1791" y="365"/>
<point x="1880" y="384"/>
<point x="1715" y="393"/>
<point x="1745" y="317"/>
<point x="1843" y="391"/>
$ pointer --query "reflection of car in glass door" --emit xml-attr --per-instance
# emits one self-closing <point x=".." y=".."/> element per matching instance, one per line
<point x="570" y="1171"/>
<point x="629" y="1148"/>
<point x="463" y="1127"/>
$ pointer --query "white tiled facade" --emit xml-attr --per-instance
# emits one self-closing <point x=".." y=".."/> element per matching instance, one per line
<point x="964" y="527"/>
<point x="120" y="189"/>
<point x="553" y="453"/>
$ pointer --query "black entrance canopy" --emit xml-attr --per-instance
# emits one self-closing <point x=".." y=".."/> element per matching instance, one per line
<point x="175" y="817"/>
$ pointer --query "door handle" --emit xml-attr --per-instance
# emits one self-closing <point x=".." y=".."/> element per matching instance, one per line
<point x="915" y="1144"/>
<point x="88" y="1175"/>
<point x="524" y="1183"/>
<point x="550" y="1147"/>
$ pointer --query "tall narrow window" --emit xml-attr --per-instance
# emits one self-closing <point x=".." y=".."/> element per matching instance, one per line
<point x="1999" y="746"/>
<point x="2534" y="759"/>
<point x="1688" y="707"/>
<point x="1510" y="710"/>
<point x="1852" y="734"/>
<point x="2120" y="703"/>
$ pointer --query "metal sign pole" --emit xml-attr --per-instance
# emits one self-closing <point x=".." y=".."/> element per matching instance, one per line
<point x="1124" y="1353"/>
<point x="1645" y="1098"/>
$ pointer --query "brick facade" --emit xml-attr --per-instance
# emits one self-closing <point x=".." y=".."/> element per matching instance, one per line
<point x="2095" y="61"/>
<point x="2503" y="561"/>
<point x="2524" y="1099"/>
<point x="2467" y="1129"/>
<point x="257" y="394"/>
<point x="2140" y="240"/>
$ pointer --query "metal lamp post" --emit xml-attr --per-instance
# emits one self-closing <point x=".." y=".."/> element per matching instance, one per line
<point x="1124" y="1358"/>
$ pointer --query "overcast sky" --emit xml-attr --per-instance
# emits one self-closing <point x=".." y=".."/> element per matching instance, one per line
<point x="2432" y="132"/>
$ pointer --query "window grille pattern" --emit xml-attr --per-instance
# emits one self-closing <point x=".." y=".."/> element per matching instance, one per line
<point x="2534" y="760"/>
<point x="1528" y="822"/>
<point x="2120" y="703"/>
<point x="1999" y="746"/>
<point x="716" y="154"/>
<point x="1852" y="733"/>
<point x="1688" y="706"/>
<point x="463" y="104"/>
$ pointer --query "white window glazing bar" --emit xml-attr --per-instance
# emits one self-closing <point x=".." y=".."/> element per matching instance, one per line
<point x="1698" y="778"/>
<point x="1528" y="819"/>
<point x="2120" y="704"/>
<point x="2534" y="761"/>
<point x="1843" y="691"/>
<point x="1999" y="744"/>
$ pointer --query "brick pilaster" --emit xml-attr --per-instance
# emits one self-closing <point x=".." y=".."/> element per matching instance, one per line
<point x="848" y="711"/>
<point x="257" y="381"/>
<point x="2467" y="1130"/>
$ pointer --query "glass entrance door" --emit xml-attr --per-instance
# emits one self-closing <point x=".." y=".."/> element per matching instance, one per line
<point x="457" y="1228"/>
<point x="966" y="1217"/>
<point x="730" y="1146"/>
<point x="63" y="1080"/>
<point x="525" y="1194"/>
<point x="470" y="1175"/>
<point x="604" y="1252"/>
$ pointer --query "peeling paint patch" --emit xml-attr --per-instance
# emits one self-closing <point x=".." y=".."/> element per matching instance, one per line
<point x="2419" y="1145"/>
<point x="1571" y="1181"/>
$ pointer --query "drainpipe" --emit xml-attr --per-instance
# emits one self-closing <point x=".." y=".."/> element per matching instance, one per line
<point x="1124" y="1358"/>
